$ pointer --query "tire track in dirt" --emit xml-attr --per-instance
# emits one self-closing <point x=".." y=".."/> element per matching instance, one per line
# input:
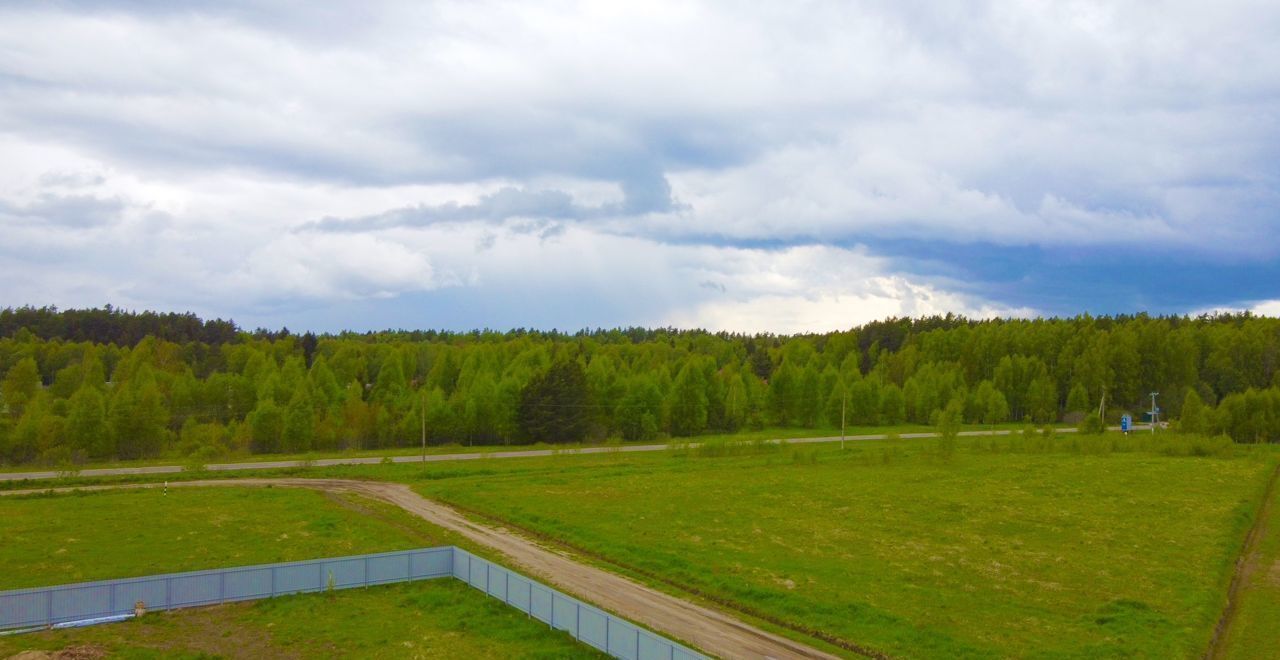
<point x="1247" y="567"/>
<point x="710" y="630"/>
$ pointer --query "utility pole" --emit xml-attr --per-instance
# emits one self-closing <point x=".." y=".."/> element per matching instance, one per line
<point x="843" y="401"/>
<point x="1155" y="412"/>
<point x="424" y="426"/>
<point x="1102" y="408"/>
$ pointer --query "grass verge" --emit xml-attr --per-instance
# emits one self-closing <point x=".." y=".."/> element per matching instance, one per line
<point x="1252" y="631"/>
<point x="188" y="462"/>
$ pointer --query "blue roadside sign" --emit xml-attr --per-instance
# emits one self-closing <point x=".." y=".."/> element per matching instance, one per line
<point x="1125" y="421"/>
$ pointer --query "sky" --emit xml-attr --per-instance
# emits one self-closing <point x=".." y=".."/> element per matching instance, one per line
<point x="755" y="167"/>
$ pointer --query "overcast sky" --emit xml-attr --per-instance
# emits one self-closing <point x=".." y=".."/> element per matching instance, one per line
<point x="782" y="167"/>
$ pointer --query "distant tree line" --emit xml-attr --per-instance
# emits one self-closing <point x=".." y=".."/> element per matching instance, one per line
<point x="98" y="384"/>
<point x="113" y="326"/>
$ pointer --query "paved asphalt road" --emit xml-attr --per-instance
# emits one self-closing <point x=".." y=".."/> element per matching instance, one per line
<point x="431" y="458"/>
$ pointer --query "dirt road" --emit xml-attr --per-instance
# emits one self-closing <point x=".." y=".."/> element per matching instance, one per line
<point x="467" y="456"/>
<point x="1248" y="568"/>
<point x="713" y="632"/>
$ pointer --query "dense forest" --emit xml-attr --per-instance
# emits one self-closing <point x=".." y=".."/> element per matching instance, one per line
<point x="94" y="384"/>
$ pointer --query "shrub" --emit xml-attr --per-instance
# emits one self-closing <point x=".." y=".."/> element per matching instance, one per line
<point x="1092" y="425"/>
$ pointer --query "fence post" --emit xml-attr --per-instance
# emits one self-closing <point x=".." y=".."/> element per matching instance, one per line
<point x="365" y="581"/>
<point x="112" y="604"/>
<point x="506" y="590"/>
<point x="222" y="587"/>
<point x="49" y="608"/>
<point x="168" y="593"/>
<point x="577" y="620"/>
<point x="273" y="581"/>
<point x="606" y="632"/>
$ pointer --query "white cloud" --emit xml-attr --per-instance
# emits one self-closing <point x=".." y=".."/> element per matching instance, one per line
<point x="1257" y="307"/>
<point x="818" y="289"/>
<point x="171" y="155"/>
<point x="1266" y="308"/>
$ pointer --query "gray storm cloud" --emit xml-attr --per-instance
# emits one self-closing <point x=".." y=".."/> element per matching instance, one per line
<point x="186" y="137"/>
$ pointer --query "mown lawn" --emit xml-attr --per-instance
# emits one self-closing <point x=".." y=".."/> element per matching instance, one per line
<point x="908" y="548"/>
<point x="430" y="619"/>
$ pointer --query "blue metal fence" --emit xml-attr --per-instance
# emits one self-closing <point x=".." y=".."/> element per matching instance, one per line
<point x="46" y="606"/>
<point x="587" y="623"/>
<point x="86" y="601"/>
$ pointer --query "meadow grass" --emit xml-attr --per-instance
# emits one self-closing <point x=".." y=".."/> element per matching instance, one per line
<point x="77" y="537"/>
<point x="1006" y="547"/>
<point x="1027" y="545"/>
<point x="73" y="537"/>
<point x="429" y="619"/>
<point x="1255" y="632"/>
<point x="174" y="458"/>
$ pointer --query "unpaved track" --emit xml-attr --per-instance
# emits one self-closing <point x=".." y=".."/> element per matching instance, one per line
<point x="468" y="456"/>
<point x="712" y="631"/>
<point x="1248" y="567"/>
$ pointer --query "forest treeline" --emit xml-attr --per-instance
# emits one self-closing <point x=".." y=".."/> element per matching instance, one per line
<point x="99" y="384"/>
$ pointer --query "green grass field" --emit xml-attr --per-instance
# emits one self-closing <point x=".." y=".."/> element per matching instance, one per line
<point x="455" y="448"/>
<point x="1005" y="547"/>
<point x="113" y="534"/>
<point x="430" y="619"/>
<point x="1254" y="632"/>
<point x="99" y="535"/>
<point x="1072" y="550"/>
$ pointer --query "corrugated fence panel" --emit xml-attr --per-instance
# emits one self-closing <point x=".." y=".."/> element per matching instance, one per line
<point x="128" y="592"/>
<point x="564" y="613"/>
<point x="247" y="584"/>
<point x="30" y="608"/>
<point x="345" y="572"/>
<point x="593" y="627"/>
<point x="589" y="624"/>
<point x="23" y="610"/>
<point x="194" y="590"/>
<point x="541" y="608"/>
<point x="431" y="564"/>
<point x="27" y="608"/>
<point x="520" y="593"/>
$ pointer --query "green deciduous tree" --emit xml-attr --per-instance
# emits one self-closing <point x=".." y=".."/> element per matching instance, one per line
<point x="688" y="401"/>
<point x="1078" y="399"/>
<point x="1042" y="400"/>
<point x="87" y="429"/>
<point x="893" y="405"/>
<point x="266" y="424"/>
<point x="640" y="412"/>
<point x="1194" y="418"/>
<point x="20" y="385"/>
<point x="299" y="430"/>
<point x="138" y="417"/>
<point x="950" y="419"/>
